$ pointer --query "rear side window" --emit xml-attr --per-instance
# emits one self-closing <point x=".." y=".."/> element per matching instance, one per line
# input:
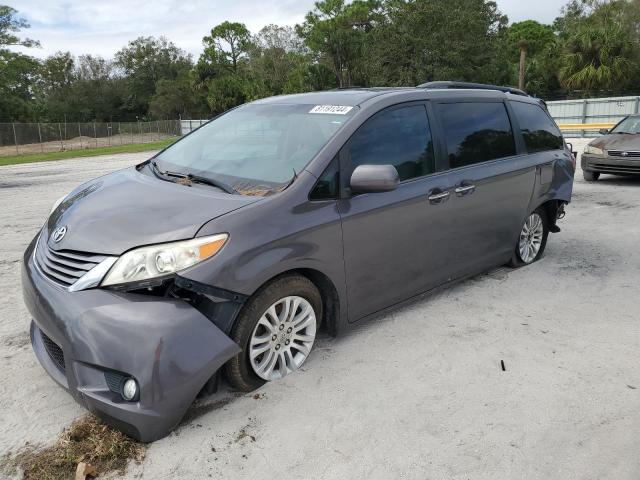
<point x="538" y="130"/>
<point x="400" y="137"/>
<point x="476" y="132"/>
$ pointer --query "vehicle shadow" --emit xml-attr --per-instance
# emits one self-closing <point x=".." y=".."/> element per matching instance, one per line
<point x="209" y="403"/>
<point x="499" y="274"/>
<point x="619" y="180"/>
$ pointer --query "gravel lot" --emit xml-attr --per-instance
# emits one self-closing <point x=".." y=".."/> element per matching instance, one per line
<point x="418" y="393"/>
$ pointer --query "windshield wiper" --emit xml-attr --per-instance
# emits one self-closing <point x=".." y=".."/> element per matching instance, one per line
<point x="211" y="181"/>
<point x="194" y="178"/>
<point x="165" y="173"/>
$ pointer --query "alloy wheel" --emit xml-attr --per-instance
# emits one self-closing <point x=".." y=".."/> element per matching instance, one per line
<point x="282" y="338"/>
<point x="531" y="238"/>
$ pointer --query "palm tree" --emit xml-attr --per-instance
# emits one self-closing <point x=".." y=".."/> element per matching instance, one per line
<point x="523" y="45"/>
<point x="597" y="58"/>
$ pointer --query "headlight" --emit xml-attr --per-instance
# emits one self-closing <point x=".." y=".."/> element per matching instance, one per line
<point x="56" y="203"/>
<point x="593" y="150"/>
<point x="158" y="260"/>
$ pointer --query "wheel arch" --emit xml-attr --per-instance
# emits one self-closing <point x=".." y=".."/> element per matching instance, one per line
<point x="328" y="292"/>
<point x="330" y="298"/>
<point x="551" y="209"/>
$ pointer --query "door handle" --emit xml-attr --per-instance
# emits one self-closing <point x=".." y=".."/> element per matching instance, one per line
<point x="440" y="197"/>
<point x="464" y="190"/>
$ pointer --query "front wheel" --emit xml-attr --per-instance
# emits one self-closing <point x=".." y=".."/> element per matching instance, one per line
<point x="590" y="176"/>
<point x="532" y="239"/>
<point x="276" y="331"/>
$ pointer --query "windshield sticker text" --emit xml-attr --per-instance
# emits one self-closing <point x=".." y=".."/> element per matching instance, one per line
<point x="331" y="109"/>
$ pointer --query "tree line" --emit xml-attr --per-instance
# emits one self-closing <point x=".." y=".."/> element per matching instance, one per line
<point x="591" y="49"/>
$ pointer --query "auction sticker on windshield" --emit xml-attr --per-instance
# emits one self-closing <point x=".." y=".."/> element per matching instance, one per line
<point x="331" y="109"/>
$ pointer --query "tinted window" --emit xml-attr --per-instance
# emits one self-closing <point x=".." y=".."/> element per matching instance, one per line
<point x="476" y="132"/>
<point x="328" y="183"/>
<point x="400" y="137"/>
<point x="538" y="130"/>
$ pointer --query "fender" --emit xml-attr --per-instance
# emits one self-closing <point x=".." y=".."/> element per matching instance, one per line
<point x="554" y="181"/>
<point x="275" y="235"/>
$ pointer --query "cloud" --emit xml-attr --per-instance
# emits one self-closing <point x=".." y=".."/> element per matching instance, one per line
<point x="105" y="27"/>
<point x="102" y="28"/>
<point x="544" y="11"/>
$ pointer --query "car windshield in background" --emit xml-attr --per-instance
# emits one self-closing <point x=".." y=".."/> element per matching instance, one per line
<point x="256" y="149"/>
<point x="630" y="125"/>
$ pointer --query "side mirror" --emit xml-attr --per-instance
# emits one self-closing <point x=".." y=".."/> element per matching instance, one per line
<point x="603" y="131"/>
<point x="374" y="178"/>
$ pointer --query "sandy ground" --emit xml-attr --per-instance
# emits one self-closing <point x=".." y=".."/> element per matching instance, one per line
<point x="418" y="393"/>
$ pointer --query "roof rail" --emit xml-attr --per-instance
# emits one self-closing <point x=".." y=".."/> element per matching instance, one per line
<point x="472" y="86"/>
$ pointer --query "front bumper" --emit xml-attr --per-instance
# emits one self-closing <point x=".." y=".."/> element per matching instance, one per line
<point x="169" y="347"/>
<point x="612" y="165"/>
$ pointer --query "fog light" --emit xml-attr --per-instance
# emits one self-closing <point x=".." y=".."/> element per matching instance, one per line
<point x="129" y="389"/>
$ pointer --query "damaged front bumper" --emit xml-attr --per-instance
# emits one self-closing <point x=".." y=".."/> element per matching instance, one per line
<point x="90" y="340"/>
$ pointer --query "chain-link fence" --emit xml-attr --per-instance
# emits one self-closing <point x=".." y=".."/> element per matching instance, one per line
<point x="32" y="138"/>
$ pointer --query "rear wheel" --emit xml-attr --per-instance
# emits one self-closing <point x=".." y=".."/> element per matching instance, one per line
<point x="532" y="239"/>
<point x="590" y="176"/>
<point x="276" y="331"/>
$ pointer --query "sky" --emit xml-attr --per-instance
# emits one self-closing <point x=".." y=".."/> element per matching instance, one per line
<point x="104" y="27"/>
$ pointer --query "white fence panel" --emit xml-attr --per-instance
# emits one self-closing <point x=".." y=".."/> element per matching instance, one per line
<point x="188" y="126"/>
<point x="593" y="110"/>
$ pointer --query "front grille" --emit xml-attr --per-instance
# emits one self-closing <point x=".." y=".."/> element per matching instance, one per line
<point x="624" y="153"/>
<point x="609" y="168"/>
<point x="64" y="267"/>
<point x="55" y="352"/>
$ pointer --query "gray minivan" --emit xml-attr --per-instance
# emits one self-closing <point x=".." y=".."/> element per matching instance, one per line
<point x="230" y="250"/>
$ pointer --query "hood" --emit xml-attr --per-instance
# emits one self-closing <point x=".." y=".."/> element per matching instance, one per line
<point x="618" y="142"/>
<point x="127" y="209"/>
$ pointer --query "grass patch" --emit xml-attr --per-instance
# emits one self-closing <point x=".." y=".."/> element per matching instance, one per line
<point x="89" y="152"/>
<point x="85" y="440"/>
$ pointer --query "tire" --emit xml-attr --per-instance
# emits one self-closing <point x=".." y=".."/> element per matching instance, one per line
<point x="590" y="176"/>
<point x="281" y="293"/>
<point x="520" y="259"/>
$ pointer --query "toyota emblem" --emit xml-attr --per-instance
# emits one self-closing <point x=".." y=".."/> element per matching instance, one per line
<point x="58" y="234"/>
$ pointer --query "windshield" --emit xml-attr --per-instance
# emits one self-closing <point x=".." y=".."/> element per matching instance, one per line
<point x="256" y="149"/>
<point x="629" y="125"/>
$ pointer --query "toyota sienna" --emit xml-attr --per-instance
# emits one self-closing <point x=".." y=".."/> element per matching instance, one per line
<point x="227" y="252"/>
